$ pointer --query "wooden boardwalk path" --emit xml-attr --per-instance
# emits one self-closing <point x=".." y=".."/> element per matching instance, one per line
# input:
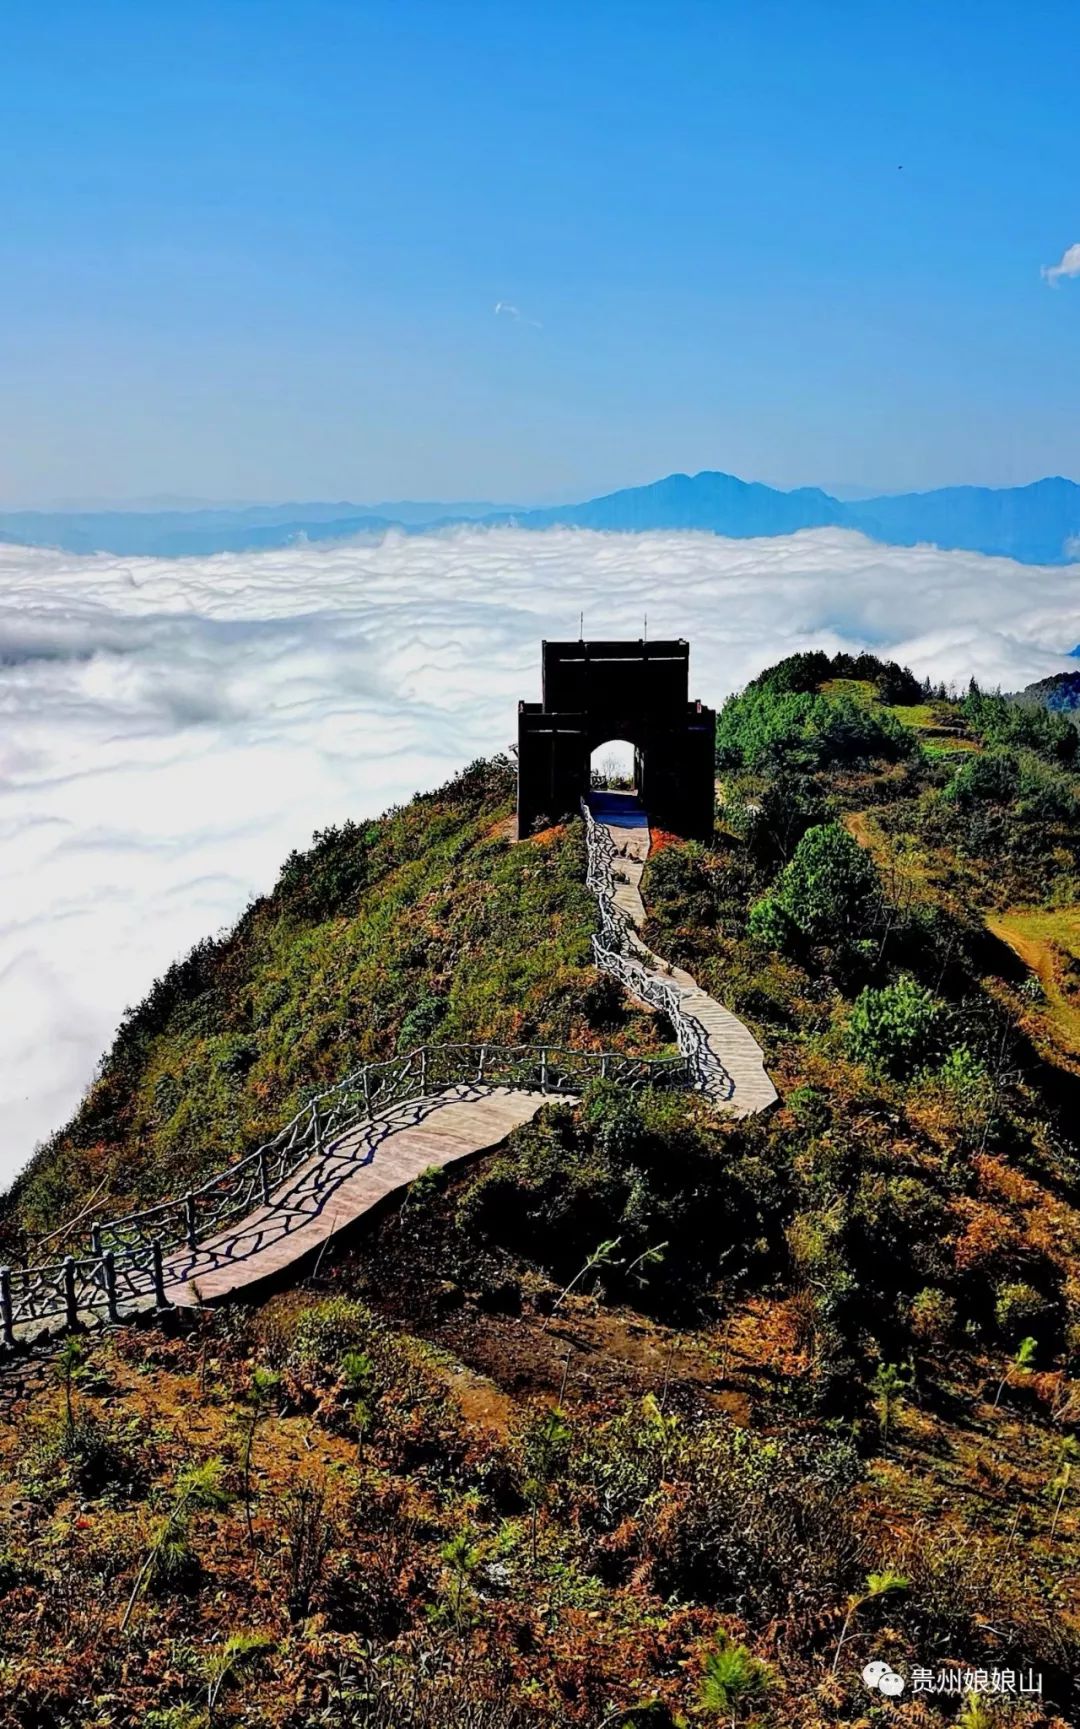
<point x="350" y="1177"/>
<point x="380" y="1128"/>
<point x="729" y="1040"/>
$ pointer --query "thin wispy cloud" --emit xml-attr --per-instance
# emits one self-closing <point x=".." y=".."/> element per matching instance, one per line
<point x="173" y="728"/>
<point x="504" y="309"/>
<point x="1068" y="265"/>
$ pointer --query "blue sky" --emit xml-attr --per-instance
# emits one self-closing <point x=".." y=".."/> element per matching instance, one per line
<point x="252" y="250"/>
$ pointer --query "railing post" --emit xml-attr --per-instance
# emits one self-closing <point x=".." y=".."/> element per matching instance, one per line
<point x="367" y="1090"/>
<point x="190" y="1222"/>
<point x="480" y="1070"/>
<point x="423" y="1071"/>
<point x="603" y="1066"/>
<point x="316" y="1126"/>
<point x="264" y="1177"/>
<point x="7" y="1317"/>
<point x="543" y="1069"/>
<point x="108" y="1262"/>
<point x="70" y="1307"/>
<point x="95" y="1247"/>
<point x="161" y="1301"/>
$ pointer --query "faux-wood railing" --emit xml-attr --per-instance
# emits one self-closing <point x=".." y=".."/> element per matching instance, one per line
<point x="122" y="1261"/>
<point x="614" y="952"/>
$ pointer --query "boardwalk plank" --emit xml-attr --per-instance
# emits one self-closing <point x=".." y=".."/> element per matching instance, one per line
<point x="729" y="1038"/>
<point x="350" y="1177"/>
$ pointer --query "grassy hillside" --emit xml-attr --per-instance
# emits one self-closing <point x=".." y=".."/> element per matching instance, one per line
<point x="424" y="925"/>
<point x="646" y="1417"/>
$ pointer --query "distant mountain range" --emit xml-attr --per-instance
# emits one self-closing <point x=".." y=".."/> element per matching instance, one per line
<point x="1036" y="524"/>
<point x="178" y="533"/>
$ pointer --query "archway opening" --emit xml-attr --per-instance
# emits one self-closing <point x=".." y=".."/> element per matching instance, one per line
<point x="613" y="767"/>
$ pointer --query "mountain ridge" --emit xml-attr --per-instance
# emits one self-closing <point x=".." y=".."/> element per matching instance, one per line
<point x="832" y="1345"/>
<point x="1038" y="523"/>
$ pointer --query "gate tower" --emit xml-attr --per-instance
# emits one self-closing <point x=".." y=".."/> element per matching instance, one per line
<point x="639" y="691"/>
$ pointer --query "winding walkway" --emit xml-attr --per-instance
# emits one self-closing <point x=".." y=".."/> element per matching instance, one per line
<point x="351" y="1177"/>
<point x="743" y="1087"/>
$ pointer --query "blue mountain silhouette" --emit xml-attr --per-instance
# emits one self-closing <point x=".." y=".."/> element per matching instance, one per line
<point x="1036" y="524"/>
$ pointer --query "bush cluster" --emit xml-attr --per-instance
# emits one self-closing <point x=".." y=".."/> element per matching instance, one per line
<point x="765" y="730"/>
<point x="827" y="894"/>
<point x="644" y="1171"/>
<point x="997" y="721"/>
<point x="897" y="1029"/>
<point x="812" y="668"/>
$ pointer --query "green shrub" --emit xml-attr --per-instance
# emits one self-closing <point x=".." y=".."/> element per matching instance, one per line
<point x="997" y="721"/>
<point x="828" y="893"/>
<point x="767" y="729"/>
<point x="328" y="1330"/>
<point x="422" y="1022"/>
<point x="645" y="1169"/>
<point x="1046" y="794"/>
<point x="1019" y="1309"/>
<point x="734" y="1680"/>
<point x="964" y="1073"/>
<point x="686" y="882"/>
<point x="811" y="668"/>
<point x="964" y="1091"/>
<point x="895" y="1030"/>
<point x="772" y="925"/>
<point x="993" y="778"/>
<point x="932" y="1316"/>
<point x="773" y="822"/>
<point x="811" y="1109"/>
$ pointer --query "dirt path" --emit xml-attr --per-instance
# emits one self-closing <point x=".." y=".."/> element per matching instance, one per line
<point x="1046" y="942"/>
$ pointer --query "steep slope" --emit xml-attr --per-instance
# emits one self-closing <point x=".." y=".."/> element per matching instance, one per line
<point x="1060" y="692"/>
<point x="647" y="1413"/>
<point x="427" y="924"/>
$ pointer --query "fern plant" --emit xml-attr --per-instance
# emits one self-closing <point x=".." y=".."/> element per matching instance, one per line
<point x="69" y="1363"/>
<point x="1024" y="1360"/>
<point x="226" y="1666"/>
<point x="358" y="1377"/>
<point x="889" y="1385"/>
<point x="462" y="1556"/>
<point x="878" y="1585"/>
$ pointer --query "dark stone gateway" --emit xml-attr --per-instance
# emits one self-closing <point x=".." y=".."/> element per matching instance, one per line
<point x="594" y="692"/>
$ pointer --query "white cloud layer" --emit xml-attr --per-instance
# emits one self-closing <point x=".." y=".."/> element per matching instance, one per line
<point x="1068" y="265"/>
<point x="169" y="730"/>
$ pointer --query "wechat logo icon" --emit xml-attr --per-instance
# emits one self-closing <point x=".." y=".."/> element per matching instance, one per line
<point x="883" y="1679"/>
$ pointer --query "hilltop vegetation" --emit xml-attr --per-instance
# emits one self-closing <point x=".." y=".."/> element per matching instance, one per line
<point x="646" y="1417"/>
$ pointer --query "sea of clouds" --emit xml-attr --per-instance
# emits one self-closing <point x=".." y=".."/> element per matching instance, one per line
<point x="169" y="730"/>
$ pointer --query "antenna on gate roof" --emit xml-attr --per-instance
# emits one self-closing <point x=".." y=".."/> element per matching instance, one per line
<point x="581" y="627"/>
<point x="645" y="638"/>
